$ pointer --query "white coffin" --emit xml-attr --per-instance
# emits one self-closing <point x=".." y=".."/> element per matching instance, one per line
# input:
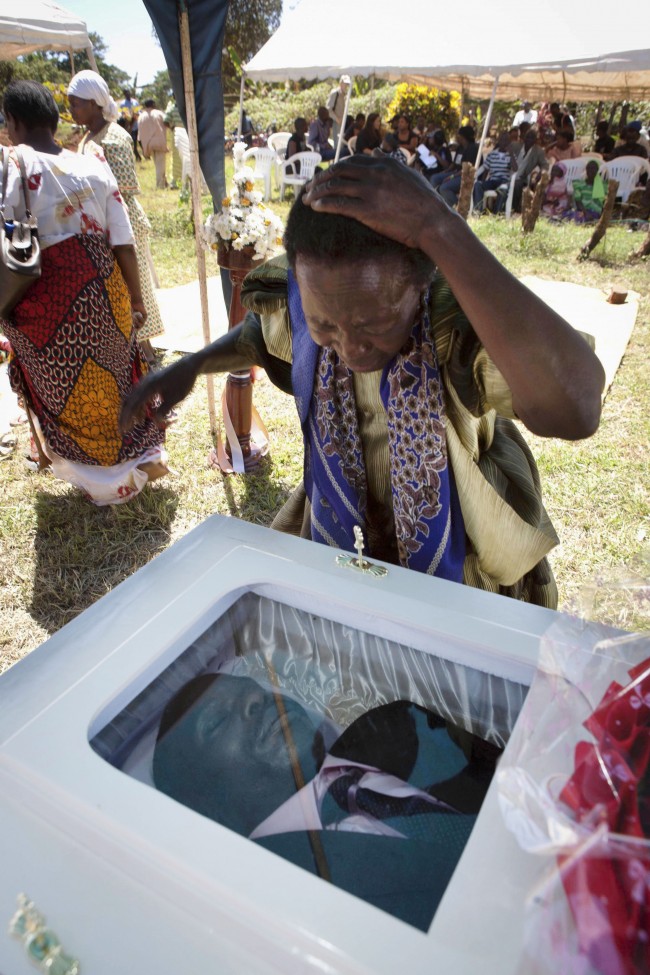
<point x="131" y="881"/>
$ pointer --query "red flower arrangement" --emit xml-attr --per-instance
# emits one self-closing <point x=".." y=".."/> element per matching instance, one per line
<point x="608" y="888"/>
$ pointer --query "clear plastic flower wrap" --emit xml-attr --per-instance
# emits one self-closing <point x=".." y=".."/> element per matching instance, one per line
<point x="574" y="789"/>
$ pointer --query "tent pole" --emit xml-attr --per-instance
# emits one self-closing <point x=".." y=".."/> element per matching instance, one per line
<point x="241" y="104"/>
<point x="91" y="57"/>
<point x="486" y="129"/>
<point x="486" y="124"/>
<point x="71" y="56"/>
<point x="342" y="129"/>
<point x="192" y="132"/>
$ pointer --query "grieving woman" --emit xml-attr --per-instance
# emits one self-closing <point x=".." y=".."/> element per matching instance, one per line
<point x="408" y="349"/>
<point x="75" y="353"/>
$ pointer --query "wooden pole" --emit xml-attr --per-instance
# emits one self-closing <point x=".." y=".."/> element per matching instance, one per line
<point x="315" y="842"/>
<point x="468" y="172"/>
<point x="644" y="249"/>
<point x="195" y="189"/>
<point x="486" y="129"/>
<point x="532" y="204"/>
<point x="91" y="57"/>
<point x="339" y="141"/>
<point x="241" y="104"/>
<point x="603" y="222"/>
<point x="624" y="114"/>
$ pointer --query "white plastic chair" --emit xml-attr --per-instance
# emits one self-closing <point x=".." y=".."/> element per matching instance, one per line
<point x="182" y="143"/>
<point x="278" y="141"/>
<point x="575" y="169"/>
<point x="352" y="145"/>
<point x="292" y="175"/>
<point x="264" y="161"/>
<point x="627" y="170"/>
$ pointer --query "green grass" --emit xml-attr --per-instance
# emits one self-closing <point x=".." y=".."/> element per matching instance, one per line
<point x="58" y="553"/>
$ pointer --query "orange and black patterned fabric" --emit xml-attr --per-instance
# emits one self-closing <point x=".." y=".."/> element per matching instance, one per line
<point x="76" y="355"/>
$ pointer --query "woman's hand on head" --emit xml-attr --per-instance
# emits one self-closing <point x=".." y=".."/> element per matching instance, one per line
<point x="392" y="199"/>
<point x="159" y="390"/>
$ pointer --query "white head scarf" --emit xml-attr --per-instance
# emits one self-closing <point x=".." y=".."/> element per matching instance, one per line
<point x="91" y="86"/>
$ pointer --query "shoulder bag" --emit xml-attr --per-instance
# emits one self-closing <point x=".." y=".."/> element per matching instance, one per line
<point x="20" y="252"/>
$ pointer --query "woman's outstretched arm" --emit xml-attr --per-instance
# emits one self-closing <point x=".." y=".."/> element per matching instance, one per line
<point x="173" y="384"/>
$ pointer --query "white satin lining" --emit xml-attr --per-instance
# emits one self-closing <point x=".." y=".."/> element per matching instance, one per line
<point x="335" y="670"/>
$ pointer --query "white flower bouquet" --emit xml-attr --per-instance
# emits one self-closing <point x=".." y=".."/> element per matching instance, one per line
<point x="244" y="221"/>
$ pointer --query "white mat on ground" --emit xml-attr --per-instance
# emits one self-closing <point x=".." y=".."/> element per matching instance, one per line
<point x="585" y="308"/>
<point x="588" y="310"/>
<point x="180" y="309"/>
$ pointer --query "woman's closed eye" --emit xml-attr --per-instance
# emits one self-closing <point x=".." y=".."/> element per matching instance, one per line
<point x="322" y="328"/>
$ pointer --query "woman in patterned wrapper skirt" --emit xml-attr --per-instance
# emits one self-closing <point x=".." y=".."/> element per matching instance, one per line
<point x="91" y="105"/>
<point x="75" y="354"/>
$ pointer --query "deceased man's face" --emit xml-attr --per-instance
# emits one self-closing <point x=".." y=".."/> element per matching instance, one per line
<point x="227" y="757"/>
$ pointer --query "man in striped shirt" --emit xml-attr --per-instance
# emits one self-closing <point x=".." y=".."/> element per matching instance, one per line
<point x="499" y="166"/>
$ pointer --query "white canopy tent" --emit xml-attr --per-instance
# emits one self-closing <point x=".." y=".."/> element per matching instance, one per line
<point x="37" y="25"/>
<point x="467" y="47"/>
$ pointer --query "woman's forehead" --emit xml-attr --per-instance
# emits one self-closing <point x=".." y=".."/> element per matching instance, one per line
<point x="375" y="267"/>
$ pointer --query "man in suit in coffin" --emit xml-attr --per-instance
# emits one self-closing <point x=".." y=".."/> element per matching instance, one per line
<point x="390" y="804"/>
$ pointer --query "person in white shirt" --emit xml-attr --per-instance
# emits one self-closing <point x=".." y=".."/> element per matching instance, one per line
<point x="525" y="114"/>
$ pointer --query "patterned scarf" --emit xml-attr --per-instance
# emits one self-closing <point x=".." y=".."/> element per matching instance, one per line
<point x="428" y="520"/>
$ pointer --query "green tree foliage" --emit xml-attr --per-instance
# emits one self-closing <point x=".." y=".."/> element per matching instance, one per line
<point x="249" y="25"/>
<point x="159" y="89"/>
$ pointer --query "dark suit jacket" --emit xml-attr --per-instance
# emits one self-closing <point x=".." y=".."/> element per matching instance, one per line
<point x="405" y="877"/>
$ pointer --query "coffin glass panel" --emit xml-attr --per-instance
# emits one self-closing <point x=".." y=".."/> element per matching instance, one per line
<point x="357" y="758"/>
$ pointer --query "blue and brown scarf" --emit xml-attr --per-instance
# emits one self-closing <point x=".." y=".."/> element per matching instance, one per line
<point x="428" y="521"/>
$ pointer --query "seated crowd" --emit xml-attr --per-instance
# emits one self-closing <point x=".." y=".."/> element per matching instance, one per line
<point x="540" y="140"/>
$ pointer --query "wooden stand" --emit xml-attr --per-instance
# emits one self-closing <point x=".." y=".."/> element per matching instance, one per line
<point x="239" y="385"/>
<point x="532" y="204"/>
<point x="468" y="174"/>
<point x="603" y="221"/>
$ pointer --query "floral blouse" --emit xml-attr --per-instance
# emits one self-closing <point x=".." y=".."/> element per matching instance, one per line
<point x="69" y="194"/>
<point x="114" y="145"/>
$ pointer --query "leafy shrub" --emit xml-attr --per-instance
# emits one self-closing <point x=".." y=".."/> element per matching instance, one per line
<point x="434" y="105"/>
<point x="280" y="106"/>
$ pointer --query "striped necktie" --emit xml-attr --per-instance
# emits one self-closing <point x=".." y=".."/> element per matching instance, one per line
<point x="345" y="797"/>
